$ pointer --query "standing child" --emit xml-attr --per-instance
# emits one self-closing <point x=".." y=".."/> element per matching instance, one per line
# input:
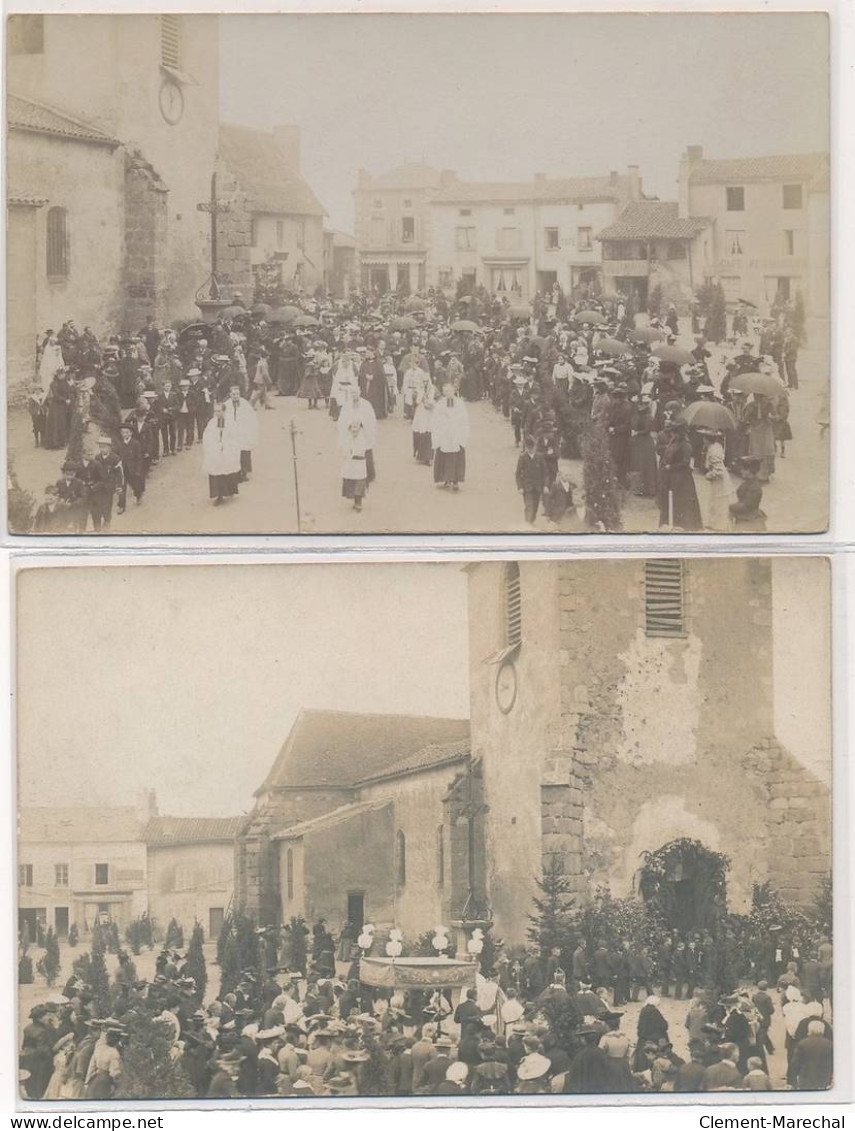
<point x="531" y="478"/>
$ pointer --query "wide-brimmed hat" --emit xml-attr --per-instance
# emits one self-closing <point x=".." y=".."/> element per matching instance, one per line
<point x="533" y="1066"/>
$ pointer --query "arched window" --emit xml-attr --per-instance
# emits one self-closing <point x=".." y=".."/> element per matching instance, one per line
<point x="440" y="857"/>
<point x="400" y="858"/>
<point x="57" y="243"/>
<point x="512" y="604"/>
<point x="289" y="873"/>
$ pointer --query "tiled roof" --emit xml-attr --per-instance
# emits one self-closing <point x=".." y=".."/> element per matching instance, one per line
<point x="334" y="817"/>
<point x="339" y="749"/>
<point x="435" y="754"/>
<point x="24" y="199"/>
<point x="191" y="830"/>
<point x="80" y="825"/>
<point x="508" y="192"/>
<point x="411" y="175"/>
<point x="652" y="219"/>
<point x="780" y="167"/>
<point x="24" y="114"/>
<point x="264" y="174"/>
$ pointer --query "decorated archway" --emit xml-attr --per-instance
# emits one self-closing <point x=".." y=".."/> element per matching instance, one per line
<point x="686" y="882"/>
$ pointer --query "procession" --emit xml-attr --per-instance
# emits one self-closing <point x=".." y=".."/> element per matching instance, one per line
<point x="602" y="409"/>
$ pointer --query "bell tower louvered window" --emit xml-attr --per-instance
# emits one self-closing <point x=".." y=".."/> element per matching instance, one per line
<point x="664" y="597"/>
<point x="513" y="605"/>
<point x="170" y="41"/>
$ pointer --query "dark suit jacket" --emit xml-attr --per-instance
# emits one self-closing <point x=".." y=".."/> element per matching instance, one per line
<point x="812" y="1066"/>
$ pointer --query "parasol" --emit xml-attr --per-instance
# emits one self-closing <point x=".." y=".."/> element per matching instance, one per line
<point x="281" y="316"/>
<point x="646" y="334"/>
<point x="233" y="312"/>
<point x="464" y="325"/>
<point x="674" y="355"/>
<point x="194" y="328"/>
<point x="766" y="384"/>
<point x="404" y="323"/>
<point x="613" y="346"/>
<point x="592" y="317"/>
<point x="305" y="320"/>
<point x="519" y="312"/>
<point x="261" y="309"/>
<point x="707" y="414"/>
<point x="492" y="1070"/>
<point x="414" y="303"/>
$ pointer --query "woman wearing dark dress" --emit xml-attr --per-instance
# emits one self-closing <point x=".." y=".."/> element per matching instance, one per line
<point x="678" y="499"/>
<point x="58" y="418"/>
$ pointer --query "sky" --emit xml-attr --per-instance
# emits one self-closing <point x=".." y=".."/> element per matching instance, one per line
<point x="501" y="97"/>
<point x="186" y="680"/>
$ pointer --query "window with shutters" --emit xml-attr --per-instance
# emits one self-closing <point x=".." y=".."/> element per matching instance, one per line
<point x="664" y="597"/>
<point x="25" y="875"/>
<point x="60" y="875"/>
<point x="57" y="243"/>
<point x="513" y="605"/>
<point x="170" y="41"/>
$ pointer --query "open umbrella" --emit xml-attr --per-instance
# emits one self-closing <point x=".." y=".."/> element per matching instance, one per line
<point x="290" y="311"/>
<point x="414" y="303"/>
<point x="766" y="384"/>
<point x="305" y="320"/>
<point x="403" y="323"/>
<point x="519" y="312"/>
<point x="646" y="334"/>
<point x="281" y="316"/>
<point x="193" y="329"/>
<point x="233" y="312"/>
<point x="708" y="414"/>
<point x="745" y="302"/>
<point x="261" y="309"/>
<point x="464" y="325"/>
<point x="674" y="355"/>
<point x="613" y="346"/>
<point x="592" y="317"/>
<point x="539" y="341"/>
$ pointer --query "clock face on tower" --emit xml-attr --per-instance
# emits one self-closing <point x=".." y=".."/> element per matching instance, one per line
<point x="506" y="686"/>
<point x="171" y="100"/>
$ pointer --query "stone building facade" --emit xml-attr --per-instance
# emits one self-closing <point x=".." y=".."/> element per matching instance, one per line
<point x="612" y="735"/>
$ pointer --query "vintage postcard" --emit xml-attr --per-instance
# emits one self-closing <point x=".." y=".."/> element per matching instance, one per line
<point x="497" y="828"/>
<point x="354" y="274"/>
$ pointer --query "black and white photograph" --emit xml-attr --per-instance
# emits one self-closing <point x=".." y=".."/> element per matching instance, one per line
<point x="451" y="832"/>
<point x="417" y="273"/>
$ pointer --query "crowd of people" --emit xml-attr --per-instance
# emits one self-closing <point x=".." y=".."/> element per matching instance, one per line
<point x="526" y="1025"/>
<point x="560" y="372"/>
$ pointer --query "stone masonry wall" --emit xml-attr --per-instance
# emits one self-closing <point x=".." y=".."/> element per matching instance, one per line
<point x="234" y="235"/>
<point x="146" y="226"/>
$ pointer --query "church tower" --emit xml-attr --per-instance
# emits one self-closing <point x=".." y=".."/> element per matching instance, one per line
<point x="618" y="705"/>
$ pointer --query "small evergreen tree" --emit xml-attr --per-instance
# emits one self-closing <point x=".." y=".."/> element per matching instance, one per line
<point x="73" y="935"/>
<point x="40" y="933"/>
<point x="49" y="964"/>
<point x="148" y="1068"/>
<point x="715" y="328"/>
<point x="99" y="979"/>
<point x="26" y="977"/>
<point x="654" y="301"/>
<point x="112" y="938"/>
<point x="602" y="491"/>
<point x="552" y="918"/>
<point x="174" y="935"/>
<point x="133" y="935"/>
<point x="194" y="966"/>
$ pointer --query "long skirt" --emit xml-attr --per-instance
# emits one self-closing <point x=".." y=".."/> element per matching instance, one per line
<point x="245" y="463"/>
<point x="56" y="426"/>
<point x="717" y="496"/>
<point x="449" y="467"/>
<point x="310" y="388"/>
<point x="422" y="447"/>
<point x="354" y="488"/>
<point x="642" y="465"/>
<point x="335" y="408"/>
<point x="761" y="443"/>
<point x="223" y="486"/>
<point x="681" y="485"/>
<point x="369" y="465"/>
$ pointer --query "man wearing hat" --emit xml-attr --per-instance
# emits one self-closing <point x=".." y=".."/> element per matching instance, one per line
<point x="436" y="1068"/>
<point x="106" y="479"/>
<point x="185" y="409"/>
<point x="619" y="424"/>
<point x="72" y="496"/>
<point x="130" y="455"/>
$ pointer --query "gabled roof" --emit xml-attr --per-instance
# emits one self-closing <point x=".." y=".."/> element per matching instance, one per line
<point x="191" y="830"/>
<point x="523" y="192"/>
<point x="340" y="749"/>
<point x="36" y="117"/>
<point x="779" y="167"/>
<point x="410" y="175"/>
<point x="80" y="825"/>
<point x="265" y="175"/>
<point x="653" y="219"/>
<point x="334" y="817"/>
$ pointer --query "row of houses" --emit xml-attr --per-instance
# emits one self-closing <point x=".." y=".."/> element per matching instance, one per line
<point x="760" y="225"/>
<point x="84" y="866"/>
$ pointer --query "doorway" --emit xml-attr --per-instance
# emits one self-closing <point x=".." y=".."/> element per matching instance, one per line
<point x="378" y="279"/>
<point x="546" y="280"/>
<point x="356" y="909"/>
<point x="60" y="918"/>
<point x="29" y="917"/>
<point x="216" y="916"/>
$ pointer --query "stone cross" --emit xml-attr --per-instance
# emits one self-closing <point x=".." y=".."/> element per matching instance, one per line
<point x="214" y="206"/>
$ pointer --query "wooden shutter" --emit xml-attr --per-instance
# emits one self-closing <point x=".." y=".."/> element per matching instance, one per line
<point x="664" y="597"/>
<point x="513" y="604"/>
<point x="170" y="41"/>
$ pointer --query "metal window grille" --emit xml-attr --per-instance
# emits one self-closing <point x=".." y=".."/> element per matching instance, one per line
<point x="664" y="597"/>
<point x="513" y="605"/>
<point x="170" y="41"/>
<point x="57" y="243"/>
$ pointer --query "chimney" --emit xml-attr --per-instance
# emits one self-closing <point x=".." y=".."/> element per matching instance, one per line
<point x="448" y="177"/>
<point x="634" y="182"/>
<point x="287" y="140"/>
<point x="147" y="804"/>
